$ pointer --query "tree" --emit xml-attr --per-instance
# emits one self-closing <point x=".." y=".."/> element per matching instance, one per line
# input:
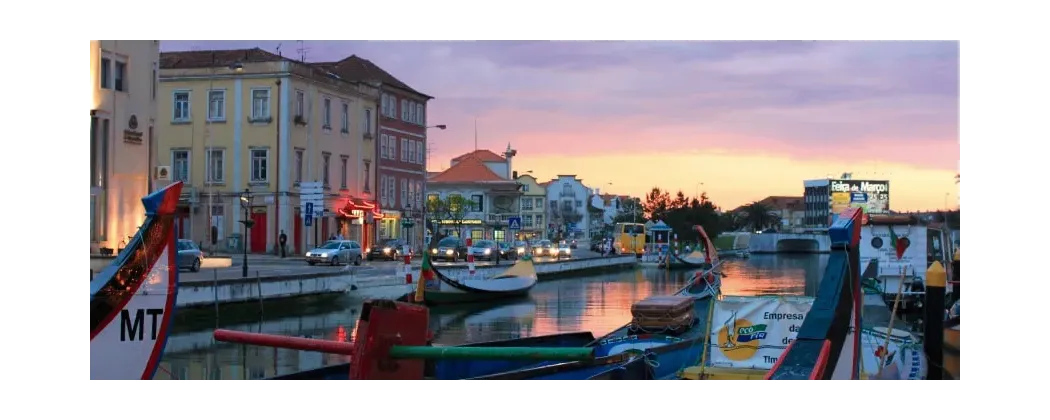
<point x="759" y="216"/>
<point x="452" y="208"/>
<point x="656" y="204"/>
<point x="631" y="211"/>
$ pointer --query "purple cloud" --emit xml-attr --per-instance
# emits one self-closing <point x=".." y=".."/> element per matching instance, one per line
<point x="848" y="100"/>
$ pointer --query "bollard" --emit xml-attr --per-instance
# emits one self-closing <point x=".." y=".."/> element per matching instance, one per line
<point x="470" y="256"/>
<point x="933" y="335"/>
<point x="408" y="269"/>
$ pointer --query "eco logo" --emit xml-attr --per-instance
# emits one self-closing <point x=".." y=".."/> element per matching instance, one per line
<point x="739" y="339"/>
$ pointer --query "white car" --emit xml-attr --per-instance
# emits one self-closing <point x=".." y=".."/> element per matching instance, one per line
<point x="335" y="253"/>
<point x="564" y="250"/>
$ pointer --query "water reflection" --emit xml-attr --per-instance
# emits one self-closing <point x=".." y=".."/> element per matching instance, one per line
<point x="598" y="304"/>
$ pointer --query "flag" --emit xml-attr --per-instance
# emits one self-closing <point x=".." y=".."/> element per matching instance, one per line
<point x="426" y="274"/>
<point x="899" y="244"/>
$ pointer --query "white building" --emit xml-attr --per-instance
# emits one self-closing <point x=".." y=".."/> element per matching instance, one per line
<point x="495" y="196"/>
<point x="123" y="114"/>
<point x="611" y="204"/>
<point x="567" y="198"/>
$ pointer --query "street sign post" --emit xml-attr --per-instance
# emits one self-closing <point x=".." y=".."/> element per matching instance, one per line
<point x="311" y="199"/>
<point x="514" y="223"/>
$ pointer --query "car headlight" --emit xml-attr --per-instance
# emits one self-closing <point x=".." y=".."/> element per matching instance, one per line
<point x="433" y="251"/>
<point x="568" y="251"/>
<point x="488" y="251"/>
<point x="521" y="250"/>
<point x="386" y="250"/>
<point x="448" y="252"/>
<point x="324" y="255"/>
<point x="367" y="250"/>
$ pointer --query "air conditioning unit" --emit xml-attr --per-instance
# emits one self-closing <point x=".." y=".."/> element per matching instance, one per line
<point x="162" y="173"/>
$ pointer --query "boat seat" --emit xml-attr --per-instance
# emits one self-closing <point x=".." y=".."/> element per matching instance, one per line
<point x="663" y="313"/>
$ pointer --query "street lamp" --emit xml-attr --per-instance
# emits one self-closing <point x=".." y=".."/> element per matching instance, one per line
<point x="439" y="126"/>
<point x="426" y="161"/>
<point x="246" y="204"/>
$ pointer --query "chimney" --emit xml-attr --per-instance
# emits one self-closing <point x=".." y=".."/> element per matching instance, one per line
<point x="515" y="174"/>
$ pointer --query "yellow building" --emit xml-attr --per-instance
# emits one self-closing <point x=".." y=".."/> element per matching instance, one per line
<point x="248" y="119"/>
<point x="533" y="207"/>
<point x="123" y="111"/>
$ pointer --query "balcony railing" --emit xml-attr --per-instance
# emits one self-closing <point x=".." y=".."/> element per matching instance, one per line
<point x="499" y="218"/>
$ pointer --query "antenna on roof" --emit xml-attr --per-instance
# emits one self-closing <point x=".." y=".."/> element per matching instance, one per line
<point x="279" y="49"/>
<point x="475" y="134"/>
<point x="302" y="50"/>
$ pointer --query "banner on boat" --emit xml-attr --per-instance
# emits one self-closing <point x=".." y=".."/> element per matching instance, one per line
<point x="877" y="242"/>
<point x="751" y="332"/>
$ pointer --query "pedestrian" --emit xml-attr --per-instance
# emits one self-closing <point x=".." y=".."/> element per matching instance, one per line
<point x="283" y="239"/>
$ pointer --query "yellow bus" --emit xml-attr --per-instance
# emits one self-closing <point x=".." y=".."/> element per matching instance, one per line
<point x="629" y="238"/>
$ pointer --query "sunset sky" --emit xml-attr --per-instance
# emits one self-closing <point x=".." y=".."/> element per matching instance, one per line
<point x="746" y="119"/>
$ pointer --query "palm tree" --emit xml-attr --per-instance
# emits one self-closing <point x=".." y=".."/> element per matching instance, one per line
<point x="759" y="216"/>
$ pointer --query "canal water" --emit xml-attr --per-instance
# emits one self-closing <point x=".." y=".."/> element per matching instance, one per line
<point x="598" y="304"/>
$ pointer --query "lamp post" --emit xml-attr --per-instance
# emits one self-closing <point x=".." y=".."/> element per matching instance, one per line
<point x="246" y="204"/>
<point x="426" y="161"/>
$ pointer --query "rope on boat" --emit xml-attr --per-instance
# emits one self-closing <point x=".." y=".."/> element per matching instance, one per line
<point x="893" y="316"/>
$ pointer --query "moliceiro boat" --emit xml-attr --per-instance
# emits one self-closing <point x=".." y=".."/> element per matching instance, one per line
<point x="438" y="289"/>
<point x="697" y="258"/>
<point x="133" y="299"/>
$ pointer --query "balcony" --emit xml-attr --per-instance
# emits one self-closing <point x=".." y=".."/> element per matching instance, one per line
<point x="501" y="218"/>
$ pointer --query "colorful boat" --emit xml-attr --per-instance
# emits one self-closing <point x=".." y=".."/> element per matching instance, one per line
<point x="698" y="258"/>
<point x="133" y="299"/>
<point x="439" y="289"/>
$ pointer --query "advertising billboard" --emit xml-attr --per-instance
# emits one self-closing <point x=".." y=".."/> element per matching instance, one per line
<point x="872" y="196"/>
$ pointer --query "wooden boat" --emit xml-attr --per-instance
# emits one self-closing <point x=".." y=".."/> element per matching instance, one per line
<point x="697" y="259"/>
<point x="439" y="289"/>
<point x="133" y="299"/>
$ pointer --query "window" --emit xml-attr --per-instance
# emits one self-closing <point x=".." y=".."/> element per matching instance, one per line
<point x="422" y="153"/>
<point x="342" y="172"/>
<point x="404" y="192"/>
<point x="525" y="188"/>
<point x="476" y="202"/>
<point x="180" y="165"/>
<point x="411" y="112"/>
<point x="217" y="105"/>
<point x="404" y="150"/>
<point x="391" y="189"/>
<point x="526" y="204"/>
<point x="326" y="120"/>
<point x="384" y="108"/>
<point x="260" y="160"/>
<point x="419" y="152"/>
<point x="411" y="151"/>
<point x="180" y="105"/>
<point x="384" y="192"/>
<point x="103" y="74"/>
<point x="260" y="104"/>
<point x="419" y="194"/>
<point x="420" y="119"/>
<point x="346" y="118"/>
<point x="453" y="207"/>
<point x="216" y="159"/>
<point x="411" y="194"/>
<point x="527" y="220"/>
<point x="539" y="203"/>
<point x="404" y="110"/>
<point x="153" y="82"/>
<point x="120" y="82"/>
<point x="298" y="165"/>
<point x="539" y="220"/>
<point x="382" y="146"/>
<point x="579" y="203"/>
<point x="366" y="125"/>
<point x="324" y="167"/>
<point x="300" y="98"/>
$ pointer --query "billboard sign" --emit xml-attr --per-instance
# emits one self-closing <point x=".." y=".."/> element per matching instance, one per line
<point x="872" y="196"/>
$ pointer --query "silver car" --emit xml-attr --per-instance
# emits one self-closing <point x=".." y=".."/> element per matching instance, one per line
<point x="189" y="255"/>
<point x="335" y="253"/>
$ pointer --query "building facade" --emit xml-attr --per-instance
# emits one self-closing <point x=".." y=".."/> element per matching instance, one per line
<point x="238" y="120"/>
<point x="567" y="200"/>
<point x="123" y="138"/>
<point x="494" y="198"/>
<point x="400" y="155"/>
<point x="533" y="208"/>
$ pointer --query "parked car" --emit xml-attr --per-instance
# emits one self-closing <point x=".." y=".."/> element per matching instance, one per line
<point x="543" y="249"/>
<point x="391" y="249"/>
<point x="189" y="255"/>
<point x="564" y="250"/>
<point x="520" y="247"/>
<point x="335" y="253"/>
<point x="450" y="249"/>
<point x="485" y="250"/>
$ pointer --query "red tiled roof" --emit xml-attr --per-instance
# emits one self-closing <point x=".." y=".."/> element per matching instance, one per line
<point x="468" y="170"/>
<point x="483" y="155"/>
<point x="214" y="58"/>
<point x="357" y="68"/>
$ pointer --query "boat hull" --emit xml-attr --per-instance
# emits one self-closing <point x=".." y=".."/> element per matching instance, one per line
<point x="452" y="297"/>
<point x="516" y="281"/>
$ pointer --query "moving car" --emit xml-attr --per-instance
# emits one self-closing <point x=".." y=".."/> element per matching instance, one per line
<point x="564" y="250"/>
<point x="189" y="255"/>
<point x="450" y="249"/>
<point x="391" y="249"/>
<point x="508" y="251"/>
<point x="543" y="249"/>
<point x="335" y="253"/>
<point x="484" y="250"/>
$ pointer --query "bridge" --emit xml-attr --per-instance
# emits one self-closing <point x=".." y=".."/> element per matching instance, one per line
<point x="774" y="243"/>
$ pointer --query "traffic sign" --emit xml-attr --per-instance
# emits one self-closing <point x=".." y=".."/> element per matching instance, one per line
<point x="514" y="223"/>
<point x="309" y="210"/>
<point x="311" y="198"/>
<point x="308" y="220"/>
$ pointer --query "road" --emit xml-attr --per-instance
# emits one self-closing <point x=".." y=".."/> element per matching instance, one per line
<point x="267" y="266"/>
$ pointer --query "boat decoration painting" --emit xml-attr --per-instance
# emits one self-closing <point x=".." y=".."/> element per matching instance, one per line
<point x="133" y="299"/>
<point x="439" y="289"/>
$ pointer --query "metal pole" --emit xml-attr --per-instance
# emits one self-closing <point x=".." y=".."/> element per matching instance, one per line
<point x="244" y="243"/>
<point x="207" y="151"/>
<point x="277" y="194"/>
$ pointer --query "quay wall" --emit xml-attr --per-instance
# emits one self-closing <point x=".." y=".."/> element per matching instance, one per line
<point x="364" y="284"/>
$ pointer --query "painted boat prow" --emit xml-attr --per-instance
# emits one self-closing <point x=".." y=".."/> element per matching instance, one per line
<point x="133" y="299"/>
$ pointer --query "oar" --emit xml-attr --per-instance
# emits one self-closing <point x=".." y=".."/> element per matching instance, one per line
<point x="410" y="352"/>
